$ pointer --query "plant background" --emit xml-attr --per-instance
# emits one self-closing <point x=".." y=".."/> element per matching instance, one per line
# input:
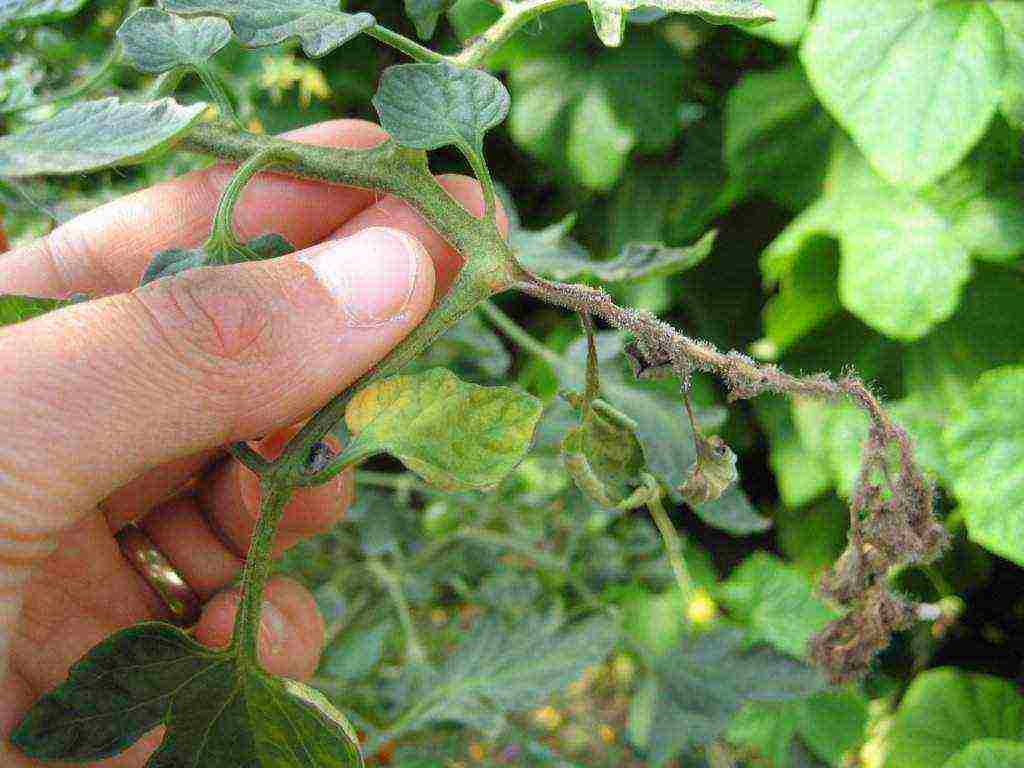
<point x="820" y="263"/>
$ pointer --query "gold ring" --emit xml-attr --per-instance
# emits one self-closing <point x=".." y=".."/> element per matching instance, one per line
<point x="156" y="570"/>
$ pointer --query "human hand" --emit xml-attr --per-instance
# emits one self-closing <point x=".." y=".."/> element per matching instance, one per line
<point x="117" y="411"/>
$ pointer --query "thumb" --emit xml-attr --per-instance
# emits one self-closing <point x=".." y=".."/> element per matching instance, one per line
<point x="94" y="395"/>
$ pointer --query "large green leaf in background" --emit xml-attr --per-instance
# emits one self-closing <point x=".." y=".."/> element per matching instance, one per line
<point x="989" y="753"/>
<point x="155" y="41"/>
<point x="986" y="444"/>
<point x="610" y="15"/>
<point x="706" y="681"/>
<point x="455" y="435"/>
<point x="944" y="710"/>
<point x="318" y="24"/>
<point x="425" y="14"/>
<point x="218" y="714"/>
<point x="15" y="13"/>
<point x="93" y="135"/>
<point x="915" y="82"/>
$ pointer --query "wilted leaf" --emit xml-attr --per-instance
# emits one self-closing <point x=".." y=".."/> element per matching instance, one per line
<point x="455" y="435"/>
<point x="705" y="682"/>
<point x="218" y="714"/>
<point x="96" y="134"/>
<point x="549" y="254"/>
<point x="944" y="710"/>
<point x="175" y="260"/>
<point x="16" y="13"/>
<point x="989" y="753"/>
<point x="155" y="41"/>
<point x="499" y="669"/>
<point x="425" y="13"/>
<point x="428" y="106"/>
<point x="610" y="15"/>
<point x="711" y="474"/>
<point x="986" y="452"/>
<point x="318" y="24"/>
<point x="915" y="83"/>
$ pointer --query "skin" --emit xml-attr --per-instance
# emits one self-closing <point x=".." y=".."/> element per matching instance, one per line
<point x="103" y="426"/>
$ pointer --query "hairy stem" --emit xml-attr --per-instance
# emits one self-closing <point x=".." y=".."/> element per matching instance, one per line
<point x="515" y="16"/>
<point x="673" y="546"/>
<point x="410" y="48"/>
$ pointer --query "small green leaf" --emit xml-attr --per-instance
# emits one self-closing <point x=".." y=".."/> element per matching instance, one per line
<point x="425" y="13"/>
<point x="429" y="106"/>
<point x="986" y="452"/>
<point x="16" y="13"/>
<point x="156" y="42"/>
<point x="989" y="753"/>
<point x="455" y="435"/>
<point x="915" y="82"/>
<point x="609" y="15"/>
<point x="217" y="714"/>
<point x="944" y="710"/>
<point x="318" y="24"/>
<point x="550" y="254"/>
<point x="95" y="135"/>
<point x="16" y="309"/>
<point x="706" y="681"/>
<point x="175" y="260"/>
<point x="604" y="458"/>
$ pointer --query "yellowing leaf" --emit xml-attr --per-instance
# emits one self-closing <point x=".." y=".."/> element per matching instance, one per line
<point x="712" y="473"/>
<point x="455" y="435"/>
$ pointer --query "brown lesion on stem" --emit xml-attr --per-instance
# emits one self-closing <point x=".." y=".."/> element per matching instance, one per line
<point x="892" y="520"/>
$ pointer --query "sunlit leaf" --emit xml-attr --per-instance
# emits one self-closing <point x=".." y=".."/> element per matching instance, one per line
<point x="915" y="83"/>
<point x="218" y="713"/>
<point x="175" y="260"/>
<point x="96" y="134"/>
<point x="318" y="24"/>
<point x="455" y="435"/>
<point x="155" y="41"/>
<point x="989" y="753"/>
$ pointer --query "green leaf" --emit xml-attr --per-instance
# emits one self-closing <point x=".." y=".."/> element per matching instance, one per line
<point x="1011" y="14"/>
<point x="455" y="435"/>
<point x="801" y="474"/>
<point x="610" y="15"/>
<point x="986" y="452"/>
<point x="777" y="136"/>
<point x="425" y="13"/>
<point x="469" y="348"/>
<point x="791" y="19"/>
<point x="776" y="603"/>
<point x="218" y="715"/>
<point x="599" y="143"/>
<point x="96" y="134"/>
<point x="604" y="458"/>
<point x="17" y="13"/>
<point x="989" y="753"/>
<point x="16" y="309"/>
<point x="429" y="106"/>
<point x="915" y="82"/>
<point x="155" y="41"/>
<point x="831" y="724"/>
<point x="356" y="654"/>
<point x="498" y="669"/>
<point x="175" y="260"/>
<point x="318" y="24"/>
<point x="706" y="681"/>
<point x="733" y="513"/>
<point x="944" y="710"/>
<point x="548" y="253"/>
<point x="902" y="267"/>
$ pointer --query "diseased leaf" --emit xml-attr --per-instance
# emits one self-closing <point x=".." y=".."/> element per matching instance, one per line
<point x="425" y="13"/>
<point x="500" y="669"/>
<point x="711" y="474"/>
<point x="986" y="454"/>
<point x="989" y="753"/>
<point x="175" y="260"/>
<point x="915" y="82"/>
<point x="96" y="134"/>
<point x="706" y="681"/>
<point x="610" y="15"/>
<point x="319" y="25"/>
<point x="217" y="714"/>
<point x="944" y="710"/>
<point x="429" y="106"/>
<point x="455" y="435"/>
<point x="776" y="603"/>
<point x="154" y="41"/>
<point x="17" y="13"/>
<point x="549" y="254"/>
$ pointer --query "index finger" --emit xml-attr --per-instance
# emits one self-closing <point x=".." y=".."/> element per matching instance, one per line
<point x="107" y="249"/>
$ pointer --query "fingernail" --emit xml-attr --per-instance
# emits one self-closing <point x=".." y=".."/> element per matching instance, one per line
<point x="272" y="628"/>
<point x="372" y="273"/>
